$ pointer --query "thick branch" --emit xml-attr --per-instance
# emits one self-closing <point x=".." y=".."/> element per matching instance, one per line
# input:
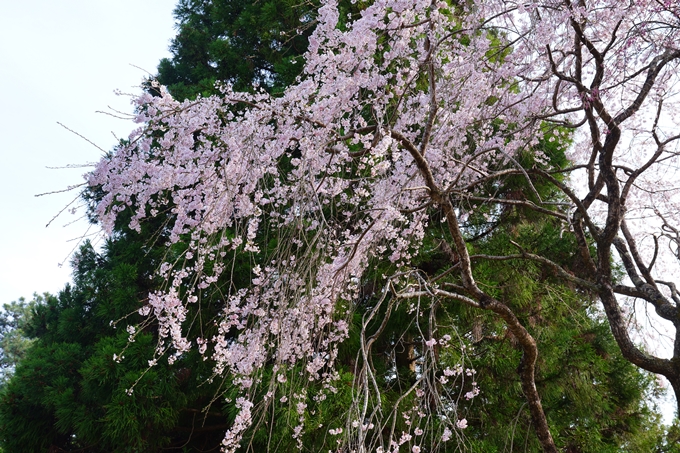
<point x="648" y="292"/>
<point x="655" y="67"/>
<point x="620" y="332"/>
<point x="527" y="368"/>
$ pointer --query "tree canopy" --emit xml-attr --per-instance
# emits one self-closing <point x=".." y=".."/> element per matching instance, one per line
<point x="406" y="116"/>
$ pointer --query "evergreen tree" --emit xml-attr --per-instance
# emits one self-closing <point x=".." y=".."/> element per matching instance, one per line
<point x="238" y="41"/>
<point x="69" y="394"/>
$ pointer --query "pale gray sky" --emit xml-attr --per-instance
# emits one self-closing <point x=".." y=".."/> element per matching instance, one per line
<point x="61" y="62"/>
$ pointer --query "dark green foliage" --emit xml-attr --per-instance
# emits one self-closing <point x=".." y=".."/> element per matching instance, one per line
<point x="69" y="394"/>
<point x="671" y="443"/>
<point x="241" y="42"/>
<point x="238" y="41"/>
<point x="595" y="400"/>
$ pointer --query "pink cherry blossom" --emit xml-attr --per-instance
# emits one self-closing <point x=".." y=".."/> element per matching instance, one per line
<point x="409" y="110"/>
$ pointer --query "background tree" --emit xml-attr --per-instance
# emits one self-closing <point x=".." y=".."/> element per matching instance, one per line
<point x="239" y="42"/>
<point x="247" y="44"/>
<point x="68" y="392"/>
<point x="13" y="341"/>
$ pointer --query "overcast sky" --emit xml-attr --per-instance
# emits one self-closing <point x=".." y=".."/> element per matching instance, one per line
<point x="61" y="62"/>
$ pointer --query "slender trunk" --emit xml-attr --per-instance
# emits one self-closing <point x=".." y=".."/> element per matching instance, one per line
<point x="527" y="372"/>
<point x="527" y="367"/>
